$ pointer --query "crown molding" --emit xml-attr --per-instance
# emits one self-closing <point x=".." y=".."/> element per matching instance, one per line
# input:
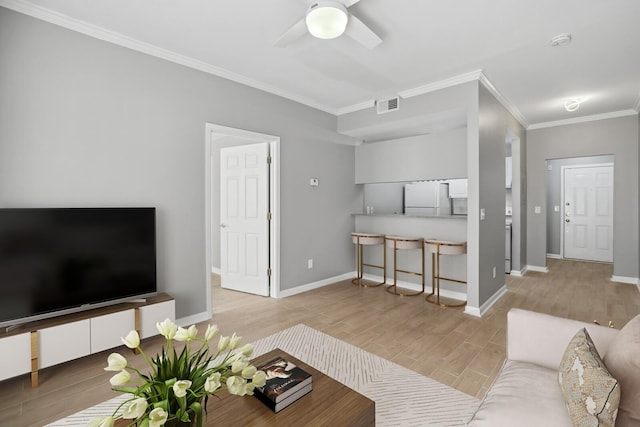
<point x="356" y="107"/>
<point x="515" y="112"/>
<point x="420" y="90"/>
<point x="441" y="84"/>
<point x="583" y="119"/>
<point x="100" y="33"/>
<point x="476" y="75"/>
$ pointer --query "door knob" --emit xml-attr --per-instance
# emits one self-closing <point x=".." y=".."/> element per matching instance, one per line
<point x="223" y="225"/>
<point x="567" y="220"/>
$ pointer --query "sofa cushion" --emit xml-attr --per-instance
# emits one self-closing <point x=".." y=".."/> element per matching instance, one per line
<point x="592" y="395"/>
<point x="523" y="395"/>
<point x="623" y="361"/>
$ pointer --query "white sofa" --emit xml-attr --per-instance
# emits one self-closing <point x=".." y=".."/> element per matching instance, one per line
<point x="526" y="391"/>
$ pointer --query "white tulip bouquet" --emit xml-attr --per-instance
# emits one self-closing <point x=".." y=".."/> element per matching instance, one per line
<point x="180" y="383"/>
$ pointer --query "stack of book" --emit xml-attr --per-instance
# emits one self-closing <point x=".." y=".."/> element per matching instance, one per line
<point x="286" y="383"/>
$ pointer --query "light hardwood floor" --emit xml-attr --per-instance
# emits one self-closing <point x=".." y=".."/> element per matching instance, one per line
<point x="445" y="344"/>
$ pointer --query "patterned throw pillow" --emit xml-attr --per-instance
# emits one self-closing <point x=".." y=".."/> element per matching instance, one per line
<point x="591" y="394"/>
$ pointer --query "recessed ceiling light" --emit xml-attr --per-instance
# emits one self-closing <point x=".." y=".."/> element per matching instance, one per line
<point x="560" y="40"/>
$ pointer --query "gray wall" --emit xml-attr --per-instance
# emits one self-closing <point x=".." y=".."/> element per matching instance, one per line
<point x="435" y="156"/>
<point x="87" y="123"/>
<point x="618" y="137"/>
<point x="494" y="120"/>
<point x="553" y="177"/>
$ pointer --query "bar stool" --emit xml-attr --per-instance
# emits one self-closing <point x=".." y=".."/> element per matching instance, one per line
<point x="364" y="239"/>
<point x="404" y="243"/>
<point x="437" y="248"/>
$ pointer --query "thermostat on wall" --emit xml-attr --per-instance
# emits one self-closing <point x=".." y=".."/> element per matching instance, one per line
<point x="314" y="182"/>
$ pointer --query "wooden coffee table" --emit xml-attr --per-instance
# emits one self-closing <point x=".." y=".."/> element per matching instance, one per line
<point x="329" y="403"/>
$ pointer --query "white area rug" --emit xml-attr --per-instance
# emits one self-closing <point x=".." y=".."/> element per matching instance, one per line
<point x="403" y="397"/>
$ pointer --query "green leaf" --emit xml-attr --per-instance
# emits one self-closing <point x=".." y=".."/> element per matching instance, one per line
<point x="197" y="410"/>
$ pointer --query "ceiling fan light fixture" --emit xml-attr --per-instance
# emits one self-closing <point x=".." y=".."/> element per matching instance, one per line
<point x="327" y="19"/>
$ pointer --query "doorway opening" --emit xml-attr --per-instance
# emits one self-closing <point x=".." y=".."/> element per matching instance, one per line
<point x="579" y="209"/>
<point x="217" y="138"/>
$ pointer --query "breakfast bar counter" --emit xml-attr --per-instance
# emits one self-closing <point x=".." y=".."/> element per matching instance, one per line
<point x="440" y="227"/>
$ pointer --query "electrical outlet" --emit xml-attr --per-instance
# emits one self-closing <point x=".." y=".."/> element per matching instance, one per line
<point x="309" y="263"/>
<point x="494" y="272"/>
<point x="537" y="209"/>
<point x="482" y="214"/>
<point x="314" y="182"/>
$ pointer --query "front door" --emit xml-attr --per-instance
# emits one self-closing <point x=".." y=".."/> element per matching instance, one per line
<point x="588" y="213"/>
<point x="244" y="225"/>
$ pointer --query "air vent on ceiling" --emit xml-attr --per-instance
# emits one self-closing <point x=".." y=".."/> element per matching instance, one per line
<point x="388" y="105"/>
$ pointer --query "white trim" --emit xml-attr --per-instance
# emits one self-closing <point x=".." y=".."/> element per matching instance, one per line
<point x="519" y="273"/>
<point x="515" y="112"/>
<point x="274" y="201"/>
<point x="100" y="33"/>
<point x="479" y="312"/>
<point x="555" y="256"/>
<point x="623" y="279"/>
<point x="583" y="119"/>
<point x="216" y="270"/>
<point x="636" y="105"/>
<point x="193" y="319"/>
<point x="441" y="84"/>
<point x="315" y="285"/>
<point x="356" y="107"/>
<point x="537" y="268"/>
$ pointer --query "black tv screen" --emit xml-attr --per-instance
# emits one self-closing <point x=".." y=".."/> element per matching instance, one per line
<point x="60" y="260"/>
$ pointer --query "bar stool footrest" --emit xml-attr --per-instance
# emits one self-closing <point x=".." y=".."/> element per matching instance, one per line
<point x="430" y="299"/>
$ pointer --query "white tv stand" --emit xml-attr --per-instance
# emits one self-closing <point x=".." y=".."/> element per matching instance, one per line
<point x="38" y="345"/>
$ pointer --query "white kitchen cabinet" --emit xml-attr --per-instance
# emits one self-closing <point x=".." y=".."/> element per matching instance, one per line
<point x="107" y="330"/>
<point x="16" y="355"/>
<point x="63" y="343"/>
<point x="458" y="188"/>
<point x="152" y="314"/>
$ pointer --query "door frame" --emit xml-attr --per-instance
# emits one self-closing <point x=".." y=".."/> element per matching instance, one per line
<point x="212" y="153"/>
<point x="562" y="223"/>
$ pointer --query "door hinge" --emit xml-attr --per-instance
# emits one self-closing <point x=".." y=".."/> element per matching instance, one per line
<point x="269" y="160"/>
<point x="269" y="272"/>
<point x="268" y="216"/>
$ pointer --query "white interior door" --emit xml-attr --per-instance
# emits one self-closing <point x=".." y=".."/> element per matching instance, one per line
<point x="244" y="206"/>
<point x="588" y="213"/>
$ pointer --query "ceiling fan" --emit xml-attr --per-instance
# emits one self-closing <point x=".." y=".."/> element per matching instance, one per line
<point x="330" y="19"/>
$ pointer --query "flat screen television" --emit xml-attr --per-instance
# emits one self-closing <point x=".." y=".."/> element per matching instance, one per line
<point x="56" y="261"/>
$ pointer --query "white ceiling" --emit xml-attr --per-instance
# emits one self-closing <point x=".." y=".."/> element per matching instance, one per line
<point x="423" y="42"/>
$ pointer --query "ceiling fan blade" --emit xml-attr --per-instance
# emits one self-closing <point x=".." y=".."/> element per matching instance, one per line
<point x="358" y="31"/>
<point x="298" y="30"/>
<point x="349" y="3"/>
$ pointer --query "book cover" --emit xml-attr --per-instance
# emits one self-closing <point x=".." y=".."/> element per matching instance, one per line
<point x="283" y="379"/>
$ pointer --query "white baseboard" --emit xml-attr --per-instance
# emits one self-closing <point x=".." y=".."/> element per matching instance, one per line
<point x="315" y="285"/>
<point x="519" y="273"/>
<point x="479" y="312"/>
<point x="462" y="296"/>
<point x="193" y="319"/>
<point x="537" y="268"/>
<point x="554" y="256"/>
<point x="622" y="279"/>
<point x="216" y="270"/>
